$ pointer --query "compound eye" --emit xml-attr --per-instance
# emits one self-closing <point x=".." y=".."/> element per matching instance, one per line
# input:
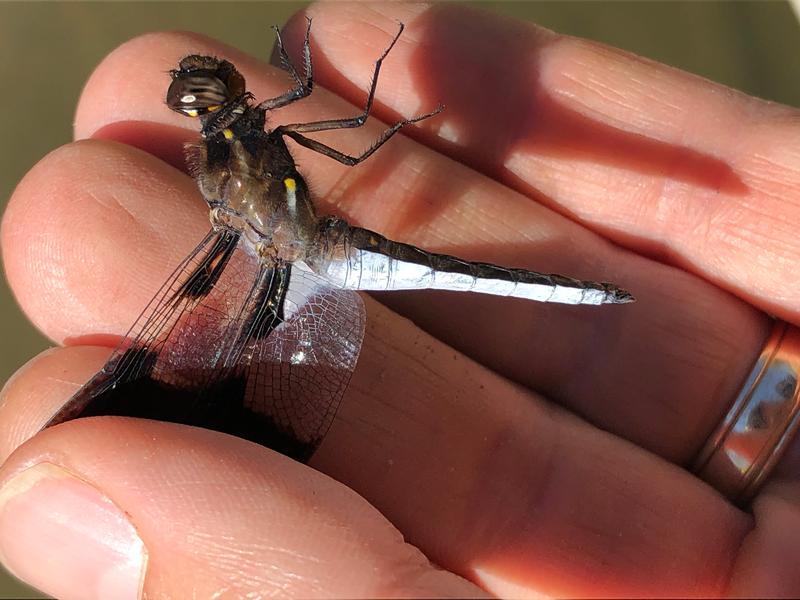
<point x="195" y="94"/>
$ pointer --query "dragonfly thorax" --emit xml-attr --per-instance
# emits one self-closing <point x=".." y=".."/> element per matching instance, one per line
<point x="272" y="211"/>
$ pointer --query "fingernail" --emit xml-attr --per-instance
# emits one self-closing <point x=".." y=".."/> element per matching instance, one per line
<point x="63" y="536"/>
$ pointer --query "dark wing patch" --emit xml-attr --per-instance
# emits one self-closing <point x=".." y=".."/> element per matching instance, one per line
<point x="209" y="269"/>
<point x="209" y="349"/>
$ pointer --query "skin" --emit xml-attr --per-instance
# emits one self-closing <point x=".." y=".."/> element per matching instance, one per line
<point x="513" y="455"/>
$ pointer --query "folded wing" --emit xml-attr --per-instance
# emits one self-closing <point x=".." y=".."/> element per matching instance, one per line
<point x="263" y="352"/>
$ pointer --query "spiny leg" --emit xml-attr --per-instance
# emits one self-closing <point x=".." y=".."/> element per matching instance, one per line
<point x="357" y="121"/>
<point x="303" y="87"/>
<point x="346" y="158"/>
<point x="295" y="130"/>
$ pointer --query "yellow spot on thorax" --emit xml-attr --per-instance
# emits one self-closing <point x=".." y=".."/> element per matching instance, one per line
<point x="228" y="134"/>
<point x="291" y="195"/>
<point x="214" y="108"/>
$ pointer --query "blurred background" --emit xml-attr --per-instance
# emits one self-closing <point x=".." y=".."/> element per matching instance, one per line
<point x="51" y="48"/>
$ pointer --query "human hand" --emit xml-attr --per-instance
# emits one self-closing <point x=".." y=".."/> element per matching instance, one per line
<point x="495" y="481"/>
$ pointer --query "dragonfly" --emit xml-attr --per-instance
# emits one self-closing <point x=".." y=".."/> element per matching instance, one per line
<point x="258" y="330"/>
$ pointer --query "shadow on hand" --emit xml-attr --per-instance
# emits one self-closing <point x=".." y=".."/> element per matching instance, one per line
<point x="501" y="107"/>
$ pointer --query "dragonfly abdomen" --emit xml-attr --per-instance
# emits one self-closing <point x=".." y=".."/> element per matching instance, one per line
<point x="360" y="259"/>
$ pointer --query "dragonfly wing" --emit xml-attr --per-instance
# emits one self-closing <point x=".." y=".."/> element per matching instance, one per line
<point x="300" y="370"/>
<point x="176" y="342"/>
<point x="203" y="352"/>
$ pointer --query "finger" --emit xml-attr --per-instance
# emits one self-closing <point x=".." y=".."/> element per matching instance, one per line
<point x="661" y="161"/>
<point x="766" y="565"/>
<point x="659" y="373"/>
<point x="37" y="390"/>
<point x="101" y="201"/>
<point x="518" y="497"/>
<point x="106" y="507"/>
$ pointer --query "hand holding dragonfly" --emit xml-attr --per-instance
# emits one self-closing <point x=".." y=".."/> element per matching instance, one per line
<point x="459" y="431"/>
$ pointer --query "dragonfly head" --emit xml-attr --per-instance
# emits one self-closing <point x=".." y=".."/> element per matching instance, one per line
<point x="202" y="85"/>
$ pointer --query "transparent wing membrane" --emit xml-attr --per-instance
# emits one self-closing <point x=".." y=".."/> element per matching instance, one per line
<point x="229" y="344"/>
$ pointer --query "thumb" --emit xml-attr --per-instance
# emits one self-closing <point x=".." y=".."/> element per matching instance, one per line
<point x="112" y="507"/>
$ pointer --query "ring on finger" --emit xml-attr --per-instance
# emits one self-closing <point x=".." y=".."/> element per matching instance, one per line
<point x="739" y="455"/>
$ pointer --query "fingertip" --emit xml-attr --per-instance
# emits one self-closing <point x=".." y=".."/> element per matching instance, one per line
<point x="62" y="535"/>
<point x="83" y="215"/>
<point x="32" y="252"/>
<point x="213" y="512"/>
<point x="39" y="388"/>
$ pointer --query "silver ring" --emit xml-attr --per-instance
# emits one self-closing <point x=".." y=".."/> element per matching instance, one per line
<point x="739" y="455"/>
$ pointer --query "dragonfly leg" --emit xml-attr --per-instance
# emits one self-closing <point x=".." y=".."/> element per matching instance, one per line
<point x="296" y="130"/>
<point x="303" y="85"/>
<point x="358" y="120"/>
<point x="348" y="159"/>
